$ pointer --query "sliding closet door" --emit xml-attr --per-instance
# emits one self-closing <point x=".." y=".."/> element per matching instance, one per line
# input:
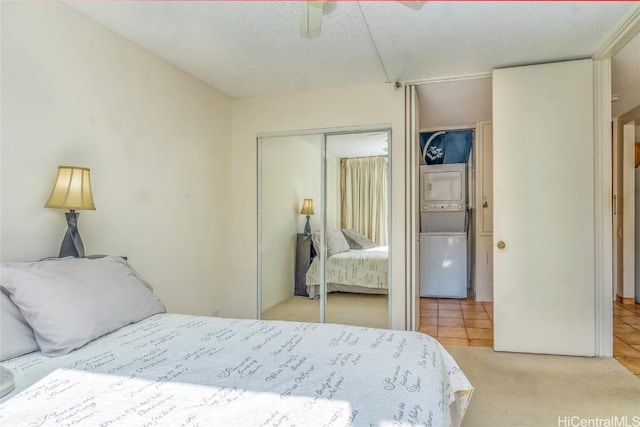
<point x="544" y="209"/>
<point x="357" y="224"/>
<point x="289" y="174"/>
<point x="324" y="227"/>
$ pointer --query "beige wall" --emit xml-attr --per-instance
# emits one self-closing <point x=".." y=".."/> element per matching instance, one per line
<point x="156" y="139"/>
<point x="373" y="105"/>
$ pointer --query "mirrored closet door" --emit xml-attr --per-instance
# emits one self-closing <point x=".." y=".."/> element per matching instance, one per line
<point x="324" y="227"/>
<point x="290" y="172"/>
<point x="356" y="241"/>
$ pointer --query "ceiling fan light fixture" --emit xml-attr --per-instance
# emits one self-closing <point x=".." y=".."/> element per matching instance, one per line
<point x="311" y="18"/>
<point x="413" y="4"/>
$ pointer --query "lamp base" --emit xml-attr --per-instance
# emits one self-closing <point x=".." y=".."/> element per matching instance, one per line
<point x="307" y="227"/>
<point x="72" y="243"/>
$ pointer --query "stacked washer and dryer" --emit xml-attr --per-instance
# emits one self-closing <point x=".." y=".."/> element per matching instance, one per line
<point x="444" y="232"/>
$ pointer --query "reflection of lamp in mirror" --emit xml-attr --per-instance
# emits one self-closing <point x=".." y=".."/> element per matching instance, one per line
<point x="307" y="209"/>
<point x="72" y="190"/>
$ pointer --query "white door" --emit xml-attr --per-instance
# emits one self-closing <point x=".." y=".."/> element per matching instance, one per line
<point x="544" y="281"/>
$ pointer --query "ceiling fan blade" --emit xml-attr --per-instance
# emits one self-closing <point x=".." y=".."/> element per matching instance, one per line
<point x="413" y="4"/>
<point x="311" y="18"/>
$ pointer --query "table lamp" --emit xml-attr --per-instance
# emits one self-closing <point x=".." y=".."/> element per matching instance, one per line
<point x="307" y="209"/>
<point x="72" y="190"/>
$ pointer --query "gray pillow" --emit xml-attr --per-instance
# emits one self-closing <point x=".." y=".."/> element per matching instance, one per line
<point x="16" y="336"/>
<point x="71" y="301"/>
<point x="336" y="242"/>
<point x="357" y="240"/>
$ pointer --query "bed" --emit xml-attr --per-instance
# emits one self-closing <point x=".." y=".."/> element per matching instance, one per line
<point x="354" y="264"/>
<point x="356" y="270"/>
<point x="154" y="368"/>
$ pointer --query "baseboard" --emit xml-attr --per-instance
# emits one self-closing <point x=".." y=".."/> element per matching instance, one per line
<point x="625" y="300"/>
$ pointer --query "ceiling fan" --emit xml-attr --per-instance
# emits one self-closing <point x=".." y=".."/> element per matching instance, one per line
<point x="313" y="10"/>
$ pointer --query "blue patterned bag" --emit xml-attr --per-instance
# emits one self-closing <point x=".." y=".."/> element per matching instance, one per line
<point x="452" y="146"/>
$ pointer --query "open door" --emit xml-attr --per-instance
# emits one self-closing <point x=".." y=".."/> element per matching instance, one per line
<point x="544" y="257"/>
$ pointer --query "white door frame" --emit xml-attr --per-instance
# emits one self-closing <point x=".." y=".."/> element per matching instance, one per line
<point x="412" y="132"/>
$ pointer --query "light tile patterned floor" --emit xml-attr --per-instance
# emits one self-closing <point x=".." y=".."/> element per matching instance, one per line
<point x="457" y="321"/>
<point x="466" y="322"/>
<point x="626" y="336"/>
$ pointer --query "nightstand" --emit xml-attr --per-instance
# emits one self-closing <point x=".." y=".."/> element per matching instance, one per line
<point x="304" y="254"/>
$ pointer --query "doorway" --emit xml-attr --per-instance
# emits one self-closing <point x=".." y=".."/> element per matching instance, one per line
<point x="626" y="235"/>
<point x="600" y="201"/>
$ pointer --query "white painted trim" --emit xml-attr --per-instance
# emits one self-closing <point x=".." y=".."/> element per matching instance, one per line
<point x="629" y="28"/>
<point x="603" y="266"/>
<point x="259" y="227"/>
<point x="483" y="75"/>
<point x="333" y="130"/>
<point x="458" y="127"/>
<point x="412" y="313"/>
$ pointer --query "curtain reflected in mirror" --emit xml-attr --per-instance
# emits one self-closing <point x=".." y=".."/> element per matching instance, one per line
<point x="357" y="264"/>
<point x="336" y="182"/>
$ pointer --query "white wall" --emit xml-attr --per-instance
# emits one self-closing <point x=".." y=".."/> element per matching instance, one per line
<point x="628" y="211"/>
<point x="455" y="103"/>
<point x="156" y="139"/>
<point x="372" y="105"/>
<point x="624" y="135"/>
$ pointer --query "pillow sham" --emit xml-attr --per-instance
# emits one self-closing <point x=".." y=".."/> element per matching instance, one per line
<point x="16" y="336"/>
<point x="336" y="243"/>
<point x="357" y="240"/>
<point x="71" y="301"/>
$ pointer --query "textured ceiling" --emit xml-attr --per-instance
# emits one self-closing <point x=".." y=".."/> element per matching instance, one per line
<point x="251" y="48"/>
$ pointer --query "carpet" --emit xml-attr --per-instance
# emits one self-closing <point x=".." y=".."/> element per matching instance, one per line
<point x="514" y="389"/>
<point x="346" y="308"/>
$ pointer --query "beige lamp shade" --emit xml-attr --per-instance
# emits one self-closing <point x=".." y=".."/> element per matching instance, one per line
<point x="307" y="207"/>
<point x="72" y="190"/>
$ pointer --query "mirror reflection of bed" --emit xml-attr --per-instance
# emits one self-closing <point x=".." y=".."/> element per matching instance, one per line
<point x="356" y="233"/>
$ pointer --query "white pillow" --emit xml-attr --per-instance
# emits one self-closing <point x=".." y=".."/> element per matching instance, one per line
<point x="71" y="301"/>
<point x="16" y="336"/>
<point x="357" y="240"/>
<point x="336" y="243"/>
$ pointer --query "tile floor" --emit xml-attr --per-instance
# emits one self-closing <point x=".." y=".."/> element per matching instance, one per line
<point x="460" y="322"/>
<point x="466" y="322"/>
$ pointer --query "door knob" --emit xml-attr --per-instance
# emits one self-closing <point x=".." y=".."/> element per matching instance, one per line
<point x="501" y="245"/>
